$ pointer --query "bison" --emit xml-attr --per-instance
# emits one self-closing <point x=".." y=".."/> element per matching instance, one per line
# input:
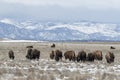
<point x="29" y="54"/>
<point x="52" y="55"/>
<point x="70" y="55"/>
<point x="29" y="46"/>
<point x="110" y="57"/>
<point x="98" y="55"/>
<point x="90" y="57"/>
<point x="11" y="54"/>
<point x="58" y="55"/>
<point x="111" y="47"/>
<point x="53" y="45"/>
<point x="35" y="54"/>
<point x="81" y="56"/>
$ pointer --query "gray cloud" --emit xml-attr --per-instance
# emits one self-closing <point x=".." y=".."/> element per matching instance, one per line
<point x="92" y="4"/>
<point x="93" y="10"/>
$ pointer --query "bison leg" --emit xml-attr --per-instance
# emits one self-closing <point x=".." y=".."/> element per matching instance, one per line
<point x="108" y="61"/>
<point x="78" y="59"/>
<point x="112" y="60"/>
<point x="11" y="57"/>
<point x="73" y="58"/>
<point x="66" y="58"/>
<point x="69" y="59"/>
<point x="57" y="58"/>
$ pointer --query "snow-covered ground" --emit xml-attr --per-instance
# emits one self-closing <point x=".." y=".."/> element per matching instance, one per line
<point x="10" y="40"/>
<point x="20" y="41"/>
<point x="46" y="69"/>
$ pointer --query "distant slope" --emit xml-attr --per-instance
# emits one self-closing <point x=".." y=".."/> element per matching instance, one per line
<point x="59" y="31"/>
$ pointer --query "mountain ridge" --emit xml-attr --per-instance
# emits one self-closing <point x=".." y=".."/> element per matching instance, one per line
<point x="59" y="31"/>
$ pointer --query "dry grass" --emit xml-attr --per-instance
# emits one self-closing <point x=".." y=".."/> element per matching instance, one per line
<point x="46" y="69"/>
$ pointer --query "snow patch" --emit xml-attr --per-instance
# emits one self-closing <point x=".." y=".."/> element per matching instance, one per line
<point x="20" y="41"/>
<point x="7" y="21"/>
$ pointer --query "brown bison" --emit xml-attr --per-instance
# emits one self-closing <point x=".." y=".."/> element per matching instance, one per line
<point x="98" y="55"/>
<point x="112" y="47"/>
<point x="58" y="55"/>
<point x="90" y="57"/>
<point x="29" y="54"/>
<point x="81" y="56"/>
<point x="109" y="57"/>
<point x="53" y="45"/>
<point x="11" y="54"/>
<point x="33" y="54"/>
<point x="70" y="55"/>
<point x="52" y="54"/>
<point x="29" y="46"/>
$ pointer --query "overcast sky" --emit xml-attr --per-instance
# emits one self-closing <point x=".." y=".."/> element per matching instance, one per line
<point x="64" y="10"/>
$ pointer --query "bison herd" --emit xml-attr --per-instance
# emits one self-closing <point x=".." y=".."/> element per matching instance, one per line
<point x="34" y="54"/>
<point x="82" y="56"/>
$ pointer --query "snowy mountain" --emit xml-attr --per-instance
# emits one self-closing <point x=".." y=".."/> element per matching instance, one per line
<point x="57" y="31"/>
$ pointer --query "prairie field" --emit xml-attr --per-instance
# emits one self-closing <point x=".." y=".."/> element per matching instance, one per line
<point x="46" y="69"/>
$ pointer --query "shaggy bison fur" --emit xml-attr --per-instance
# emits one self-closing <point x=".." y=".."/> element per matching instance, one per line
<point x="81" y="56"/>
<point x="109" y="57"/>
<point x="70" y="55"/>
<point x="33" y="54"/>
<point x="29" y="46"/>
<point x="11" y="54"/>
<point x="29" y="54"/>
<point x="90" y="57"/>
<point x="98" y="55"/>
<point x="58" y="55"/>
